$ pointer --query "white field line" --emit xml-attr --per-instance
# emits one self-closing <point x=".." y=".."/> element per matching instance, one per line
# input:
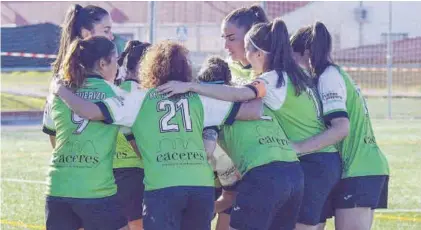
<point x="21" y="181"/>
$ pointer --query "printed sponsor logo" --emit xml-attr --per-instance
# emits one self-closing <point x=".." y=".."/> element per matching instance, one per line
<point x="77" y="155"/>
<point x="331" y="96"/>
<point x="118" y="100"/>
<point x="91" y="160"/>
<point x="271" y="134"/>
<point x="178" y="152"/>
<point x="157" y="95"/>
<point x="270" y="140"/>
<point x="124" y="155"/>
<point x="370" y="140"/>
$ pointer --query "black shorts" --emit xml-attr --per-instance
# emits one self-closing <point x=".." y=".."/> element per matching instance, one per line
<point x="322" y="172"/>
<point x="130" y="190"/>
<point x="363" y="191"/>
<point x="269" y="197"/>
<point x="180" y="207"/>
<point x="64" y="213"/>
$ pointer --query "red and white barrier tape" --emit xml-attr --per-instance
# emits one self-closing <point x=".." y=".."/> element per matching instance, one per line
<point x="363" y="69"/>
<point x="29" y="55"/>
<point x="374" y="69"/>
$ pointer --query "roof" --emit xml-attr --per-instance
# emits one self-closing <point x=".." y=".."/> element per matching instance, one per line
<point x="404" y="51"/>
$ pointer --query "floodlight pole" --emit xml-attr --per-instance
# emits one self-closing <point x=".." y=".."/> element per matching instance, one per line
<point x="389" y="59"/>
<point x="151" y="14"/>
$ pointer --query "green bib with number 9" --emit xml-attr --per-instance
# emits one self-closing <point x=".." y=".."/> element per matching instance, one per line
<point x="82" y="162"/>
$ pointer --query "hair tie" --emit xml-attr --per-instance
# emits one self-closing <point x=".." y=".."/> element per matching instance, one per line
<point x="122" y="73"/>
<point x="220" y="82"/>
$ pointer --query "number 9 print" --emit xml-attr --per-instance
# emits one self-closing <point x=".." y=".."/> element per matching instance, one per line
<point x="81" y="122"/>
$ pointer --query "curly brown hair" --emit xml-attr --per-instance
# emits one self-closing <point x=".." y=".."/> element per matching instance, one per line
<point x="163" y="62"/>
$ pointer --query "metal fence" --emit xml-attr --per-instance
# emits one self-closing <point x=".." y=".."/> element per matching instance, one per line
<point x="378" y="43"/>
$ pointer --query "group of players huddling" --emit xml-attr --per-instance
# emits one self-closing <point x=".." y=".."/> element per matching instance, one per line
<point x="134" y="135"/>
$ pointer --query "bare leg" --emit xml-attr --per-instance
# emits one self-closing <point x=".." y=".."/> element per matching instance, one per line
<point x="345" y="219"/>
<point x="136" y="224"/>
<point x="223" y="222"/>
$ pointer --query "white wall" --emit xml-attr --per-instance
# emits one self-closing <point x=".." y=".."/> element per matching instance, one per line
<point x="339" y="17"/>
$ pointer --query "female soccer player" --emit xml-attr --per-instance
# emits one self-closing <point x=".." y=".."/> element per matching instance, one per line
<point x="179" y="185"/>
<point x="234" y="27"/>
<point x="285" y="90"/>
<point x="80" y="22"/>
<point x="128" y="167"/>
<point x="81" y="189"/>
<point x="271" y="189"/>
<point x="364" y="183"/>
<point x="224" y="187"/>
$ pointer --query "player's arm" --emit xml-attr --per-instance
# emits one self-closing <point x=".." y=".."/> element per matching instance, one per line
<point x="131" y="139"/>
<point x="332" y="90"/>
<point x="210" y="135"/>
<point x="121" y="109"/>
<point x="53" y="141"/>
<point x="338" y="130"/>
<point x="80" y="106"/>
<point x="251" y="110"/>
<point x="48" y="126"/>
<point x="217" y="112"/>
<point x="135" y="148"/>
<point x="221" y="92"/>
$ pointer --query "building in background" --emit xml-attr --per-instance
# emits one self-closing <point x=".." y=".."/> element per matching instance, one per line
<point x="196" y="24"/>
<point x="359" y="30"/>
<point x="360" y="23"/>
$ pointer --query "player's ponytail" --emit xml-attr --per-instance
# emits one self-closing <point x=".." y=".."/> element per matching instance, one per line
<point x="320" y="48"/>
<point x="272" y="39"/>
<point x="132" y="54"/>
<point x="83" y="57"/>
<point x="282" y="57"/>
<point x="300" y="41"/>
<point x="73" y="71"/>
<point x="77" y="17"/>
<point x="130" y="58"/>
<point x="246" y="17"/>
<point x="258" y="13"/>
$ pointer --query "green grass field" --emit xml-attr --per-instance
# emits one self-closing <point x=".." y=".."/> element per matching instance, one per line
<point x="25" y="154"/>
<point x="11" y="102"/>
<point x="29" y="80"/>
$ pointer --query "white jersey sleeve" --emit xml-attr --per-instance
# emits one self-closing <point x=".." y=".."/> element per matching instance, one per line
<point x="127" y="132"/>
<point x="48" y="126"/>
<point x="217" y="112"/>
<point x="275" y="97"/>
<point x="222" y="164"/>
<point x="332" y="91"/>
<point x="123" y="108"/>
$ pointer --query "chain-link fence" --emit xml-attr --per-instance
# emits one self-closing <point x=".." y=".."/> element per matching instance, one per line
<point x="364" y="34"/>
